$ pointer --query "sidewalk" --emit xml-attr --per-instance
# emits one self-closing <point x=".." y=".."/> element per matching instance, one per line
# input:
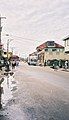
<point x="66" y="70"/>
<point x="1" y="74"/>
<point x="59" y="69"/>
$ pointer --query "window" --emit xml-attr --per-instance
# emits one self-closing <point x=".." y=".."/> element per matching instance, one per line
<point x="53" y="50"/>
<point x="58" y="50"/>
<point x="67" y="42"/>
<point x="50" y="43"/>
<point x="61" y="50"/>
<point x="50" y="50"/>
<point x="46" y="50"/>
<point x="5" y="53"/>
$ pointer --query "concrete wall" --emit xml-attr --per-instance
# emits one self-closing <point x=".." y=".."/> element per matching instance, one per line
<point x="55" y="55"/>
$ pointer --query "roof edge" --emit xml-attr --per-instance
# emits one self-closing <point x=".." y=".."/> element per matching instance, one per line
<point x="66" y="38"/>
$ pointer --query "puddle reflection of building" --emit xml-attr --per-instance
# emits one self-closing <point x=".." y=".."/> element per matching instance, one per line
<point x="7" y="92"/>
<point x="1" y="91"/>
<point x="8" y="80"/>
<point x="0" y="97"/>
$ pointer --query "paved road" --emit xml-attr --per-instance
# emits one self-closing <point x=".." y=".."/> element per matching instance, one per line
<point x="41" y="94"/>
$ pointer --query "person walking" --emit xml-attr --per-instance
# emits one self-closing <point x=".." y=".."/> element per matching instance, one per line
<point x="66" y="65"/>
<point x="45" y="63"/>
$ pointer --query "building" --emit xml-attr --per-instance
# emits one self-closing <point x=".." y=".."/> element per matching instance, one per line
<point x="49" y="51"/>
<point x="66" y="44"/>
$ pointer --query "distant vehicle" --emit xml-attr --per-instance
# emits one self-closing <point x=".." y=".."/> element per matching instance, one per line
<point x="15" y="60"/>
<point x="32" y="60"/>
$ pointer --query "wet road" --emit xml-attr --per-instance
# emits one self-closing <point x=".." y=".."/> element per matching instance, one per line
<point x="35" y="93"/>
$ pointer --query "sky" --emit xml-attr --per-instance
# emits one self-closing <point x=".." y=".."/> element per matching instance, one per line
<point x="30" y="23"/>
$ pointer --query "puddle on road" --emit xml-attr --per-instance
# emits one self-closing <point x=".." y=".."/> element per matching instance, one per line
<point x="9" y="86"/>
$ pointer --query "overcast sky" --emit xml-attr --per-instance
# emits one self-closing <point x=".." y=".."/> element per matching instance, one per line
<point x="32" y="22"/>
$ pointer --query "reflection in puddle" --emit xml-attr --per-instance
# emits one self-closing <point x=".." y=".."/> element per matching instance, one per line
<point x="9" y="85"/>
<point x="1" y="91"/>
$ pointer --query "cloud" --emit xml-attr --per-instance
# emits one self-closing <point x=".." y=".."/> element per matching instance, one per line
<point x="37" y="20"/>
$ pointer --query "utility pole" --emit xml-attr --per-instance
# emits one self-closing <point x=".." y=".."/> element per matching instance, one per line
<point x="8" y="41"/>
<point x="1" y="27"/>
<point x="7" y="48"/>
<point x="0" y="35"/>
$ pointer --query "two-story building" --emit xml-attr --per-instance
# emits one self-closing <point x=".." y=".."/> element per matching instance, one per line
<point x="49" y="51"/>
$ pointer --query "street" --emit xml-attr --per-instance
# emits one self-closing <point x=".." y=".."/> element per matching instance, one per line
<point x="38" y="93"/>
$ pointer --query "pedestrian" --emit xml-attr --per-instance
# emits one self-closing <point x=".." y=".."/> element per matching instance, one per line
<point x="13" y="64"/>
<point x="7" y="66"/>
<point x="45" y="63"/>
<point x="66" y="64"/>
<point x="55" y="65"/>
<point x="17" y="63"/>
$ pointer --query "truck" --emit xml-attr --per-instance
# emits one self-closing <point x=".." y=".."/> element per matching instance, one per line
<point x="32" y="60"/>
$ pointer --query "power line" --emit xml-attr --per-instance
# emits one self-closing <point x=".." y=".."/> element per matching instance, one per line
<point x="27" y="39"/>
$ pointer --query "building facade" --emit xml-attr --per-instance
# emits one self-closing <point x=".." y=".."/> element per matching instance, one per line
<point x="66" y="45"/>
<point x="49" y="51"/>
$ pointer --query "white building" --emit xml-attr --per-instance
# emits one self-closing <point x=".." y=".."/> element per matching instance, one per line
<point x="66" y="44"/>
